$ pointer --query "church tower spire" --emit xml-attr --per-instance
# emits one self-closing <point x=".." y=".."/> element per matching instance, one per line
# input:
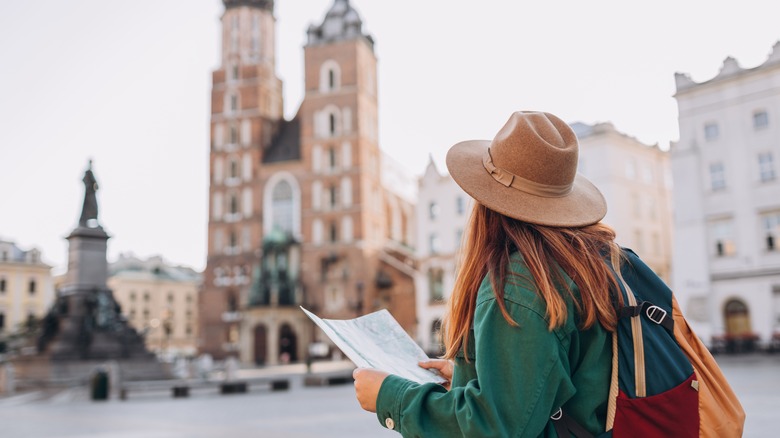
<point x="246" y="113"/>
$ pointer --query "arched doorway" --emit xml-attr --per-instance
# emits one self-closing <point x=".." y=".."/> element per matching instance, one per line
<point x="739" y="335"/>
<point x="260" y="344"/>
<point x="737" y="318"/>
<point x="288" y="344"/>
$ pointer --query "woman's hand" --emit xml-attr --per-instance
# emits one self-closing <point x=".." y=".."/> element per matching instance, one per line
<point x="367" y="384"/>
<point x="443" y="366"/>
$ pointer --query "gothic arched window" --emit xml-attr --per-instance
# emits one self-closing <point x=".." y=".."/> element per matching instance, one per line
<point x="282" y="205"/>
<point x="330" y="76"/>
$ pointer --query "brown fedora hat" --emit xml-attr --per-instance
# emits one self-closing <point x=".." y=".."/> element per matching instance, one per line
<point x="529" y="172"/>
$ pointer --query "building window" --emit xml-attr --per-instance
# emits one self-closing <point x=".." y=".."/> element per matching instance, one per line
<point x="636" y="202"/>
<point x="2" y="321"/>
<point x="132" y="296"/>
<point x="233" y="168"/>
<point x="459" y="237"/>
<point x="316" y="232"/>
<point x="332" y="124"/>
<point x="233" y="243"/>
<point x="316" y="195"/>
<point x="247" y="201"/>
<point x="217" y="206"/>
<point x="31" y="287"/>
<point x="330" y="76"/>
<point x="334" y="196"/>
<point x="647" y="174"/>
<point x="2" y="285"/>
<point x="717" y="177"/>
<point x="316" y="158"/>
<point x="722" y="237"/>
<point x="282" y="199"/>
<point x="771" y="222"/>
<point x="346" y="155"/>
<point x="346" y="191"/>
<point x="332" y="158"/>
<point x="246" y="132"/>
<point x="334" y="233"/>
<point x="460" y="205"/>
<point x="760" y="119"/>
<point x="233" y="102"/>
<point x="436" y="284"/>
<point x="170" y="297"/>
<point x="766" y="167"/>
<point x="234" y="72"/>
<point x="433" y="210"/>
<point x="639" y="241"/>
<point x="347" y="232"/>
<point x="218" y="170"/>
<point x="232" y="302"/>
<point x="434" y="243"/>
<point x="631" y="169"/>
<point x="651" y="208"/>
<point x="711" y="131"/>
<point x="146" y="296"/>
<point x="233" y="204"/>
<point x="233" y="135"/>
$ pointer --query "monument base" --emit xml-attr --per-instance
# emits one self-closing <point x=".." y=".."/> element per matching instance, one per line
<point x="42" y="371"/>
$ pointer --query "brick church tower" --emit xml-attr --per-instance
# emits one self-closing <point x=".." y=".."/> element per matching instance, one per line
<point x="299" y="212"/>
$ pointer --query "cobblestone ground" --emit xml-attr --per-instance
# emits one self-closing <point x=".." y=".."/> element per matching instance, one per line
<point x="299" y="412"/>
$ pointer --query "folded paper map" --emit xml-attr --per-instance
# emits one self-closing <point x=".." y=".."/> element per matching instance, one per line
<point x="377" y="341"/>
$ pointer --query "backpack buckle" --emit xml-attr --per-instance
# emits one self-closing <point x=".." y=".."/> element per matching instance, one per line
<point x="557" y="415"/>
<point x="655" y="314"/>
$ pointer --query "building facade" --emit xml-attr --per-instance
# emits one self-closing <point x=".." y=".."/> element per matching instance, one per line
<point x="635" y="179"/>
<point x="727" y="201"/>
<point x="159" y="300"/>
<point x="442" y="212"/>
<point x="300" y="213"/>
<point x="26" y="286"/>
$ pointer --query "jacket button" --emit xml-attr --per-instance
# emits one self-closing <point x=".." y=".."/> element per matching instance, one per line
<point x="389" y="423"/>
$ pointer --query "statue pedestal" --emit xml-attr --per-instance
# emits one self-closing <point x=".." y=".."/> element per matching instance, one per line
<point x="45" y="371"/>
<point x="84" y="329"/>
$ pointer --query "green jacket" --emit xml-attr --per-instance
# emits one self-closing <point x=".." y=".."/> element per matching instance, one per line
<point x="515" y="378"/>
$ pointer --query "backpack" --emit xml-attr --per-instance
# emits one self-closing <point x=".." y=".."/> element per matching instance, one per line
<point x="665" y="383"/>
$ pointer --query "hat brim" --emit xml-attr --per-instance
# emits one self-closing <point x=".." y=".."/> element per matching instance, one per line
<point x="584" y="205"/>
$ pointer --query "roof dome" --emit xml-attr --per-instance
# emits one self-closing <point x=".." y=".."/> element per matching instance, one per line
<point x="342" y="22"/>
<point x="263" y="4"/>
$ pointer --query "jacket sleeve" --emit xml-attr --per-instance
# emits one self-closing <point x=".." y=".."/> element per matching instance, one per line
<point x="521" y="380"/>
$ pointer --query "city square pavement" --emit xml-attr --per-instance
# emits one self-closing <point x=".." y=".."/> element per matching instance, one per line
<point x="330" y="411"/>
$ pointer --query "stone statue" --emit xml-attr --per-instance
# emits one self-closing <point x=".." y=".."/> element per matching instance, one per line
<point x="90" y="208"/>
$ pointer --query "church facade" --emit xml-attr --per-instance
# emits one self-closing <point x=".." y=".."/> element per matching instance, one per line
<point x="300" y="213"/>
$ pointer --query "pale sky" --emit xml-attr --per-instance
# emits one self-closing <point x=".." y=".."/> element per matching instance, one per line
<point x="127" y="84"/>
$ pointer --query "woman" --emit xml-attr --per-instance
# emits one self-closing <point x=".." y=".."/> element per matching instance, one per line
<point x="529" y="322"/>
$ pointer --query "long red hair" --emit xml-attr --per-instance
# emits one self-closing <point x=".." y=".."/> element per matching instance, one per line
<point x="489" y="241"/>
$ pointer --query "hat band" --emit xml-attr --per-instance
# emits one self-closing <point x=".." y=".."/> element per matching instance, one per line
<point x="509" y="179"/>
